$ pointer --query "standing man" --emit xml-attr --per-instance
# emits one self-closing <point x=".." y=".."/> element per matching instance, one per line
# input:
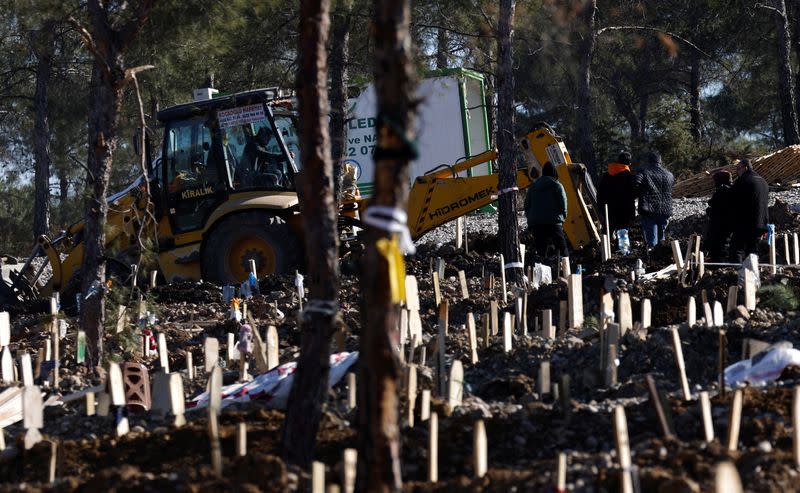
<point x="546" y="210"/>
<point x="750" y="196"/>
<point x="653" y="186"/>
<point x="720" y="217"/>
<point x="616" y="192"/>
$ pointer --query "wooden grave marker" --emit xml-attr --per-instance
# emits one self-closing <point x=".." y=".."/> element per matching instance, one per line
<point x="459" y="233"/>
<point x="5" y="329"/>
<point x="214" y="408"/>
<point x="679" y="362"/>
<point x="506" y="332"/>
<point x="455" y="384"/>
<point x="646" y="313"/>
<point x="441" y="346"/>
<point x="349" y="466"/>
<point x="624" y="313"/>
<point x="543" y="382"/>
<point x="273" y="348"/>
<point x="786" y="254"/>
<point x="691" y="312"/>
<point x="575" y="297"/>
<point x="503" y="280"/>
<point x="705" y="412"/>
<point x="563" y="264"/>
<point x="733" y="295"/>
<point x="485" y="329"/>
<point x="623" y="449"/>
<point x="473" y="338"/>
<point x="708" y="314"/>
<point x="518" y="316"/>
<point x="90" y="404"/>
<point x="548" y="329"/>
<point x="116" y="387"/>
<point x="437" y="291"/>
<point x="241" y="439"/>
<point x="726" y="478"/>
<point x="189" y="366"/>
<point x="462" y="280"/>
<point x="411" y="393"/>
<point x="412" y="304"/>
<point x="433" y="448"/>
<point x="425" y="405"/>
<point x="177" y="399"/>
<point x="479" y="448"/>
<point x="773" y="256"/>
<point x="32" y="415"/>
<point x="749" y="289"/>
<point x="7" y="365"/>
<point x="210" y="353"/>
<point x="351" y="390"/>
<point x="493" y="310"/>
<point x="562" y="316"/>
<point x="161" y="394"/>
<point x="25" y="369"/>
<point x="317" y="477"/>
<point x="718" y="315"/>
<point x="163" y="354"/>
<point x="796" y="241"/>
<point x="103" y="404"/>
<point x="658" y="405"/>
<point x="561" y="474"/>
<point x="734" y="421"/>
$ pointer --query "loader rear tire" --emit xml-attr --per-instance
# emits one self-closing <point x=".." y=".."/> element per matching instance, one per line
<point x="237" y="239"/>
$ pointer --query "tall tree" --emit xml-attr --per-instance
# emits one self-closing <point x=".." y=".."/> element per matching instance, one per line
<point x="111" y="29"/>
<point x="339" y="59"/>
<point x="506" y="142"/>
<point x="785" y="87"/>
<point x="584" y="113"/>
<point x="382" y="266"/>
<point x="43" y="42"/>
<point x="322" y="241"/>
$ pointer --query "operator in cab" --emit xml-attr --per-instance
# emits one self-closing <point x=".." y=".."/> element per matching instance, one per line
<point x="546" y="211"/>
<point x="259" y="166"/>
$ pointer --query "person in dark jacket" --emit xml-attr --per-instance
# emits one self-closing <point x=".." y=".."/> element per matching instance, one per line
<point x="750" y="196"/>
<point x="653" y="186"/>
<point x="616" y="192"/>
<point x="720" y="212"/>
<point x="546" y="211"/>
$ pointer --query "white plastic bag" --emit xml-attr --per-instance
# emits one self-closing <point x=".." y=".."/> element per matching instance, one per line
<point x="767" y="369"/>
<point x="273" y="387"/>
<point x="542" y="275"/>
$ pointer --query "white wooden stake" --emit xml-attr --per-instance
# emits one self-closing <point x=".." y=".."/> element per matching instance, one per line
<point x="676" y="346"/>
<point x="425" y="405"/>
<point x="566" y="270"/>
<point x="459" y="233"/>
<point x="796" y="242"/>
<point x="735" y="421"/>
<point x="494" y="318"/>
<point x="749" y="289"/>
<point x="462" y="280"/>
<point x="479" y="448"/>
<point x="646" y="313"/>
<point x="507" y="332"/>
<point x="773" y="257"/>
<point x="623" y="449"/>
<point x="351" y="390"/>
<point x="177" y="399"/>
<point x="726" y="479"/>
<point x="796" y="426"/>
<point x="455" y="386"/>
<point x="503" y="279"/>
<point x="25" y="369"/>
<point x="733" y="294"/>
<point x="317" y="477"/>
<point x="5" y="329"/>
<point x="7" y="366"/>
<point x="719" y="316"/>
<point x="561" y="475"/>
<point x="437" y="292"/>
<point x="473" y="338"/>
<point x="705" y="410"/>
<point x="241" y="439"/>
<point x="442" y="346"/>
<point x="548" y="329"/>
<point x="433" y="448"/>
<point x="189" y="366"/>
<point x="349" y="470"/>
<point x="575" y="297"/>
<point x="786" y="253"/>
<point x="625" y="315"/>
<point x="211" y="353"/>
<point x="708" y="314"/>
<point x="411" y="393"/>
<point x="32" y="415"/>
<point x="273" y="347"/>
<point x="691" y="312"/>
<point x="163" y="353"/>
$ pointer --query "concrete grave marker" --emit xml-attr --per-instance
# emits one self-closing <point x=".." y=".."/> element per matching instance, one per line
<point x="646" y="313"/>
<point x="625" y="313"/>
<point x="163" y="353"/>
<point x="161" y="393"/>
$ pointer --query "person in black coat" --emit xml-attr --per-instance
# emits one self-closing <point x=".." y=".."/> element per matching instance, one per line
<point x="720" y="220"/>
<point x="653" y="186"/>
<point x="750" y="196"/>
<point x="616" y="192"/>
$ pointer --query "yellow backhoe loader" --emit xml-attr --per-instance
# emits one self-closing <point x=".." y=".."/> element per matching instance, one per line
<point x="223" y="194"/>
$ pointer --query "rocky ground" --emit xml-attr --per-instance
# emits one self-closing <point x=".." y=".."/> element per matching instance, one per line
<point x="525" y="430"/>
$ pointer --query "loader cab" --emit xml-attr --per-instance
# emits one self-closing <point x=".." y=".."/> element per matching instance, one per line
<point x="215" y="148"/>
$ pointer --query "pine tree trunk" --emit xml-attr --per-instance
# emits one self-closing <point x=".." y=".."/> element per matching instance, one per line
<point x="785" y="88"/>
<point x="442" y="54"/>
<point x="378" y="410"/>
<point x="506" y="142"/>
<point x="322" y="246"/>
<point x="339" y="58"/>
<point x="694" y="94"/>
<point x="584" y="114"/>
<point x="63" y="196"/>
<point x="44" y="42"/>
<point x="104" y="108"/>
<point x="108" y="45"/>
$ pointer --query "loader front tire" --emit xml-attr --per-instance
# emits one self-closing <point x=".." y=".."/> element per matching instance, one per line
<point x="239" y="238"/>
